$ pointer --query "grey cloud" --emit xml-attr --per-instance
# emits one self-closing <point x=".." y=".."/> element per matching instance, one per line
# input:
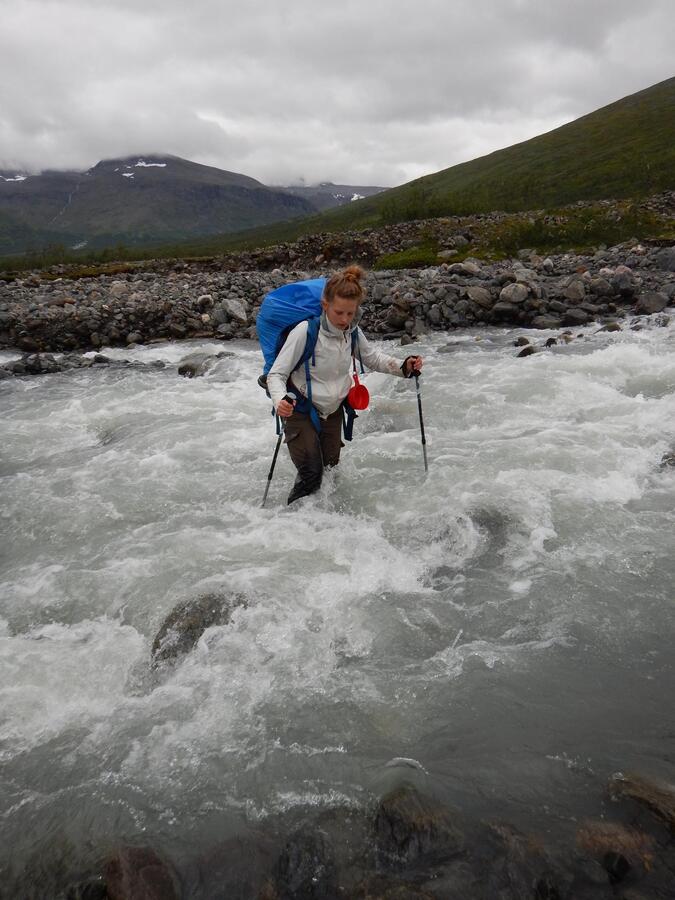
<point x="368" y="93"/>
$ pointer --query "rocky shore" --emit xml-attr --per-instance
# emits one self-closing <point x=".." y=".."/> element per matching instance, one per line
<point x="410" y="846"/>
<point x="189" y="301"/>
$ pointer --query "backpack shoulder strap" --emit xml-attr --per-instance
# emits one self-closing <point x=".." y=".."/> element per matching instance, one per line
<point x="310" y="343"/>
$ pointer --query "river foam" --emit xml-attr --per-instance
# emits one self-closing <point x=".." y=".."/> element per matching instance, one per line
<point x="392" y="615"/>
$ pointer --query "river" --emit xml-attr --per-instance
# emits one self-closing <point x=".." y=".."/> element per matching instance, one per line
<point x="506" y="622"/>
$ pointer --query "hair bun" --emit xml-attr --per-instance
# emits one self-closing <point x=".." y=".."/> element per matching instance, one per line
<point x="346" y="284"/>
<point x="353" y="273"/>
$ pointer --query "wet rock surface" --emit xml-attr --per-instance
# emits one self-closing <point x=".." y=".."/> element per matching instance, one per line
<point x="410" y="846"/>
<point x="305" y="870"/>
<point x="48" y="364"/>
<point x="410" y="826"/>
<point x="188" y="621"/>
<point x="138" y="873"/>
<point x="656" y="796"/>
<point x="197" y="364"/>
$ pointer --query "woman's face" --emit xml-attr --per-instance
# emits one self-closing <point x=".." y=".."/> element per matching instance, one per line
<point x="340" y="311"/>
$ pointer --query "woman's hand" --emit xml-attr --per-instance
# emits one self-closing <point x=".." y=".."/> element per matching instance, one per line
<point x="413" y="366"/>
<point x="285" y="407"/>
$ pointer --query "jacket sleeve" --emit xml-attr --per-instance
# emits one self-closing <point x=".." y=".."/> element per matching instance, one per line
<point x="286" y="361"/>
<point x="376" y="360"/>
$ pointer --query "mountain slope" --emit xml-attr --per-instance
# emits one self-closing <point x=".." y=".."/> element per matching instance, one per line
<point x="137" y="200"/>
<point x="625" y="149"/>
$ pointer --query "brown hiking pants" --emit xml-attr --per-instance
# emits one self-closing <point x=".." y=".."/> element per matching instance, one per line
<point x="310" y="451"/>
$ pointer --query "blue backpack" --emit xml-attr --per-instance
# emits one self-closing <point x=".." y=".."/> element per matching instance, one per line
<point x="282" y="309"/>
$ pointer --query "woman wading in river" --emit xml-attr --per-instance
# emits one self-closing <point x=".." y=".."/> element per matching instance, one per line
<point x="313" y="421"/>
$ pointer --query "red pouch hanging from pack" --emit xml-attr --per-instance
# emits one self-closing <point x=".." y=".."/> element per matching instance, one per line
<point x="358" y="396"/>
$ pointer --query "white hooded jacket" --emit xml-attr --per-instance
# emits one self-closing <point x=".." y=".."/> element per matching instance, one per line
<point x="331" y="374"/>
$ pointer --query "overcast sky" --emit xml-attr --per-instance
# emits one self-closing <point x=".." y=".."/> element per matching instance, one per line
<point x="352" y="91"/>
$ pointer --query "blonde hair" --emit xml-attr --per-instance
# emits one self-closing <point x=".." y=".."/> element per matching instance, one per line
<point x="346" y="284"/>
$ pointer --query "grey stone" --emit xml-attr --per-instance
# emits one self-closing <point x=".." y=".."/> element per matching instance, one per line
<point x="651" y="302"/>
<point x="397" y="314"/>
<point x="575" y="290"/>
<point x="465" y="268"/>
<point x="575" y="317"/>
<point x="624" y="282"/>
<point x="235" y="310"/>
<point x="665" y="259"/>
<point x="557" y="306"/>
<point x="195" y="364"/>
<point x="480" y="295"/>
<point x="118" y="289"/>
<point x="548" y="322"/>
<point x="435" y="315"/>
<point x="134" y="337"/>
<point x="600" y="287"/>
<point x="513" y="293"/>
<point x="186" y="623"/>
<point x="503" y="310"/>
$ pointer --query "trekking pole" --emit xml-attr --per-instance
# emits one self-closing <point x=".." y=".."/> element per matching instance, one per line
<point x="290" y="399"/>
<point x="419" y="407"/>
<point x="274" y="462"/>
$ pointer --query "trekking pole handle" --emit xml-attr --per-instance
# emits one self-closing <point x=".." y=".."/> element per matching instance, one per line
<point x="289" y="397"/>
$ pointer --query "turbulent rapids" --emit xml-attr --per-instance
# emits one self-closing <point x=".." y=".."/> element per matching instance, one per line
<point x="500" y="630"/>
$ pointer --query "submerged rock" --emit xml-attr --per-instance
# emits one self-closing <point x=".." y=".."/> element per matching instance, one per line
<point x="138" y="873"/>
<point x="185" y="624"/>
<point x="527" y="351"/>
<point x="198" y="363"/>
<point x="379" y="887"/>
<point x="305" y="870"/>
<point x="518" y="866"/>
<point x="610" y="841"/>
<point x="410" y="826"/>
<point x="668" y="460"/>
<point x="93" y="889"/>
<point x="657" y="796"/>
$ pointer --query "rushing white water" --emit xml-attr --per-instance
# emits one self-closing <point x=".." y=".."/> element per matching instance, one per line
<point x="503" y="627"/>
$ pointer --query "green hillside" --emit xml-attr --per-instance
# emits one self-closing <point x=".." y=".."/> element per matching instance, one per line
<point x="626" y="149"/>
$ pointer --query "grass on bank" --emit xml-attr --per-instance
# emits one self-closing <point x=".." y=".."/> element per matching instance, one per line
<point x="555" y="231"/>
<point x="558" y="231"/>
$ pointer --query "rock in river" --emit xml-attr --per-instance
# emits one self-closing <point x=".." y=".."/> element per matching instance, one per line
<point x="410" y="825"/>
<point x="186" y="623"/>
